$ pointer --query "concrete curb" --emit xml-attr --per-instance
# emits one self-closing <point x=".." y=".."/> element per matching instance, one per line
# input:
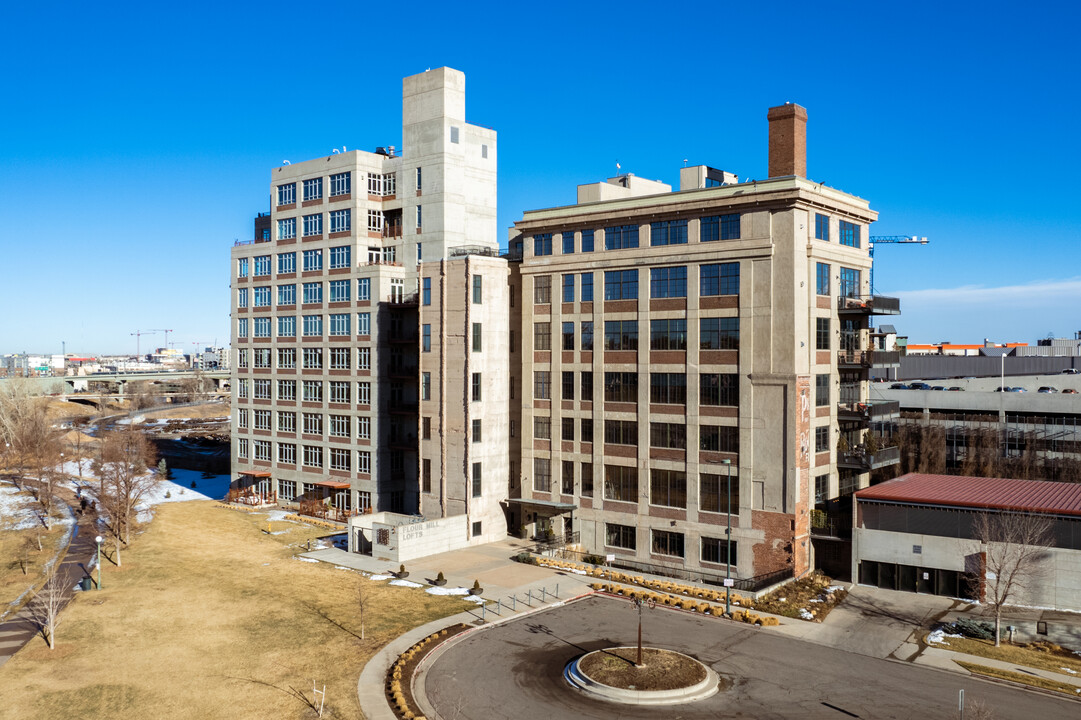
<point x="370" y="692"/>
<point x="699" y="691"/>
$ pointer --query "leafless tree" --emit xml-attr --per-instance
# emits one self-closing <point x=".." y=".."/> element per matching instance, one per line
<point x="46" y="606"/>
<point x="362" y="598"/>
<point x="1012" y="546"/>
<point x="123" y="466"/>
<point x="196" y="387"/>
<point x="31" y="445"/>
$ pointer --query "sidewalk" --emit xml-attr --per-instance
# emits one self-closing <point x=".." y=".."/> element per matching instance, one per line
<point x="947" y="660"/>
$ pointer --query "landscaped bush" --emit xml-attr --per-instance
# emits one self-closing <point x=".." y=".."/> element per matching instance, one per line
<point x="973" y="628"/>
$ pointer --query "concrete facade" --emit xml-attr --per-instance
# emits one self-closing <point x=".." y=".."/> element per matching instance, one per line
<point x="621" y="418"/>
<point x="363" y="273"/>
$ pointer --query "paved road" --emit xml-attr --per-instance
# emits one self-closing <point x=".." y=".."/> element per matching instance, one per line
<point x="514" y="671"/>
<point x="17" y="631"/>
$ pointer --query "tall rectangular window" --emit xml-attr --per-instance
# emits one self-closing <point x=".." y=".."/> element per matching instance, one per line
<point x="713" y="491"/>
<point x="261" y="265"/>
<point x="420" y="218"/>
<point x="587" y="241"/>
<point x="668" y="334"/>
<point x="242" y="298"/>
<point x="621" y="237"/>
<point x="587" y="392"/>
<point x="621" y="483"/>
<point x="313" y="293"/>
<point x="476" y="337"/>
<point x="822" y="227"/>
<point x="364" y="323"/>
<point x="426" y="291"/>
<point x="313" y="260"/>
<point x="621" y="285"/>
<point x="364" y="289"/>
<point x="313" y="225"/>
<point x="566" y="479"/>
<point x="718" y="389"/>
<point x="822" y="389"/>
<point x="568" y="288"/>
<point x="730" y="226"/>
<point x="709" y="229"/>
<point x="242" y="267"/>
<point x="822" y="333"/>
<point x="542" y="336"/>
<point x="587" y="287"/>
<point x="341" y="220"/>
<point x="341" y="184"/>
<point x="426" y="338"/>
<point x="542" y="244"/>
<point x="668" y="488"/>
<point x="568" y="336"/>
<point x="542" y="289"/>
<point x="313" y="189"/>
<point x="719" y="334"/>
<point x="722" y="279"/>
<point x="568" y="385"/>
<point x="287" y="263"/>
<point x="850" y="282"/>
<point x="822" y="439"/>
<point x="587" y="336"/>
<point x="542" y="428"/>
<point x="476" y="480"/>
<point x="542" y="475"/>
<point x="568" y="242"/>
<point x="850" y="234"/>
<point x="425" y="386"/>
<point x="477" y="430"/>
<point x="419" y="179"/>
<point x="542" y="385"/>
<point x="668" y="282"/>
<point x="668" y="232"/>
<point x="478" y="289"/>
<point x="242" y="327"/>
<point x="822" y="279"/>
<point x="476" y="387"/>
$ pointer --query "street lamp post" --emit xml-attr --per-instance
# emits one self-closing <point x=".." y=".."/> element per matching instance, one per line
<point x="98" y="540"/>
<point x="728" y="543"/>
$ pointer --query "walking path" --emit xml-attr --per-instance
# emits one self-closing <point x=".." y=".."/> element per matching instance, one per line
<point x="21" y="628"/>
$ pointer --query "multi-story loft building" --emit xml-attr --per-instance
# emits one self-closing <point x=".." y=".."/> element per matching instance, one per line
<point x="370" y="330"/>
<point x="692" y="359"/>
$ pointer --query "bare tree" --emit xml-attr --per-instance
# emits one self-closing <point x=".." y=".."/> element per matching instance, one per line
<point x="46" y="606"/>
<point x="31" y="445"/>
<point x="1012" y="546"/>
<point x="362" y="598"/>
<point x="123" y="466"/>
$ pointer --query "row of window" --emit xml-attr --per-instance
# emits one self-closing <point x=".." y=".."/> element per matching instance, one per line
<point x="664" y="282"/>
<point x="667" y="542"/>
<point x="336" y="391"/>
<point x="312" y="456"/>
<point x="340" y="221"/>
<point x="340" y="184"/>
<point x="313" y="358"/>
<point x="337" y="325"/>
<point x="715" y="389"/>
<point x="716" y="492"/>
<point x="850" y="281"/>
<point x="664" y="334"/>
<point x="311" y="423"/>
<point x="622" y="237"/>
<point x="338" y="257"/>
<point x="712" y="438"/>
<point x="311" y="293"/>
<point x="478" y="290"/>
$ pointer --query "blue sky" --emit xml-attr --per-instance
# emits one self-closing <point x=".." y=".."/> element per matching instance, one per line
<point x="136" y="139"/>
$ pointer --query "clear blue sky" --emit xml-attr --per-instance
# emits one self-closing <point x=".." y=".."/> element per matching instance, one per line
<point x="136" y="139"/>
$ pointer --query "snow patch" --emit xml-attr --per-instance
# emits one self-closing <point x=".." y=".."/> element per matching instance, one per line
<point x="405" y="583"/>
<point x="304" y="559"/>
<point x="17" y="511"/>
<point x="1069" y="670"/>
<point x="377" y="578"/>
<point x="938" y="637"/>
<point x="447" y="591"/>
<point x="805" y="614"/>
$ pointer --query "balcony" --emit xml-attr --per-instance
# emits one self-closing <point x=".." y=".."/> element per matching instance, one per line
<point x="849" y="359"/>
<point x="859" y="459"/>
<point x="867" y="411"/>
<point x="392" y="231"/>
<point x="868" y="305"/>
<point x="399" y="300"/>
<point x="830" y="525"/>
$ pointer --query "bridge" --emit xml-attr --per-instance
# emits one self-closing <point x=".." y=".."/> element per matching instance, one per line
<point x="67" y="384"/>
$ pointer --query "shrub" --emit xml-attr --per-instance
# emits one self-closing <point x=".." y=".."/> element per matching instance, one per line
<point x="524" y="557"/>
<point x="974" y="628"/>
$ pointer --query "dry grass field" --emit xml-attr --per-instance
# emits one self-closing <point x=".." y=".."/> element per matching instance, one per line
<point x="210" y="617"/>
<point x="14" y="548"/>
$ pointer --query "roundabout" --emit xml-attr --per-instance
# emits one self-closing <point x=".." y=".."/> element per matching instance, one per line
<point x="665" y="677"/>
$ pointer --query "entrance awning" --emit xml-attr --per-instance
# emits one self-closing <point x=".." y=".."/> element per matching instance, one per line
<point x="549" y="505"/>
<point x="252" y="473"/>
<point x="333" y="484"/>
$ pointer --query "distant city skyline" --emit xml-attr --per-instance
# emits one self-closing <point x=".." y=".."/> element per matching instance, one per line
<point x="131" y="166"/>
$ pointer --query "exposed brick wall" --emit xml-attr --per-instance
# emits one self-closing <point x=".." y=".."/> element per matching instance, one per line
<point x="787" y="140"/>
<point x="775" y="551"/>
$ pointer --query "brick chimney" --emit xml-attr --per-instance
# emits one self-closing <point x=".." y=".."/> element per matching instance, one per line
<point x="787" y="140"/>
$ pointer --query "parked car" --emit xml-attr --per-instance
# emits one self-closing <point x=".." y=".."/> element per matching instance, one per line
<point x="1071" y="371"/>
<point x="898" y="386"/>
<point x="1047" y="389"/>
<point x="1069" y="391"/>
<point x="939" y="387"/>
<point x="956" y="388"/>
<point x="919" y="386"/>
<point x="1015" y="389"/>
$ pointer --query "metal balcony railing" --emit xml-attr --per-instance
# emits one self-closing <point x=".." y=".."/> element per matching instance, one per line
<point x="869" y="358"/>
<point x="867" y="411"/>
<point x="869" y="304"/>
<point x="858" y="458"/>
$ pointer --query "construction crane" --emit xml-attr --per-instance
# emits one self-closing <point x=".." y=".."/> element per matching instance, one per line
<point x="138" y="335"/>
<point x="166" y="335"/>
<point x="889" y="240"/>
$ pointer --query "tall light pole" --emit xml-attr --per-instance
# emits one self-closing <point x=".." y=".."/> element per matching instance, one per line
<point x="728" y="543"/>
<point x="98" y="540"/>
